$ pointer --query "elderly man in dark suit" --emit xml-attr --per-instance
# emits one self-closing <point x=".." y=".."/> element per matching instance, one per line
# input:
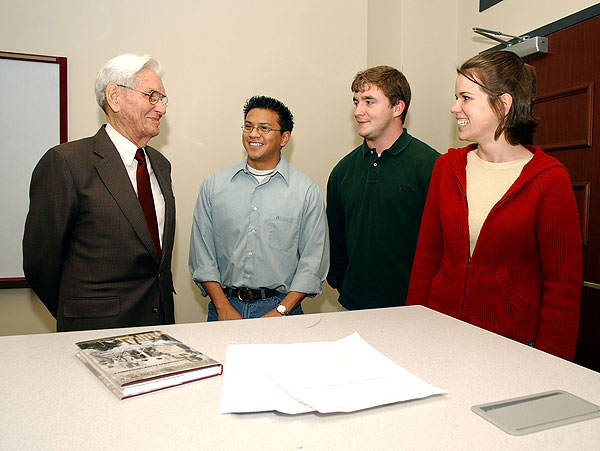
<point x="99" y="233"/>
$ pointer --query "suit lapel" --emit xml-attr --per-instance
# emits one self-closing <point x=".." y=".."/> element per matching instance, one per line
<point x="115" y="178"/>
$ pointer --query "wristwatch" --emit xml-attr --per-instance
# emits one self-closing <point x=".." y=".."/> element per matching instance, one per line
<point x="282" y="309"/>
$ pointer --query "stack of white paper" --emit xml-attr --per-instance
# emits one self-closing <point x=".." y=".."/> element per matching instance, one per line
<point x="340" y="376"/>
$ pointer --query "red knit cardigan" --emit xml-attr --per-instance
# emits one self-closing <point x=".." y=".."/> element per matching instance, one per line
<point x="523" y="279"/>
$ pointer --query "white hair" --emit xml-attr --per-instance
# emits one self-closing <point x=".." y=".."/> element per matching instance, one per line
<point x="123" y="70"/>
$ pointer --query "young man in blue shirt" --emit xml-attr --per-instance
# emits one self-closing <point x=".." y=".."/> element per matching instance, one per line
<point x="259" y="241"/>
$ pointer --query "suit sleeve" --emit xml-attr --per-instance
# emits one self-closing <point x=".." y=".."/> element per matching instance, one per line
<point x="52" y="211"/>
<point x="337" y="235"/>
<point x="559" y="242"/>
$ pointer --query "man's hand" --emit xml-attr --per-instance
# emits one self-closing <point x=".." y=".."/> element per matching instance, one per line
<point x="225" y="310"/>
<point x="291" y="300"/>
<point x="272" y="313"/>
<point x="228" y="313"/>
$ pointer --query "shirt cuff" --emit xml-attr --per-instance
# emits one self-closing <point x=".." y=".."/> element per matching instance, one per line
<point x="305" y="283"/>
<point x="205" y="274"/>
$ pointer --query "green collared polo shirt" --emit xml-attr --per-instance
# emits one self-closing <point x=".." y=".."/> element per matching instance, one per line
<point x="374" y="208"/>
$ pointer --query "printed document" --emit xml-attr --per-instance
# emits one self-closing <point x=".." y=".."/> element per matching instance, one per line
<point x="340" y="376"/>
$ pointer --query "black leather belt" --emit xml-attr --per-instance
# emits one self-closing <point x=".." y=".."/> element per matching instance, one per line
<point x="248" y="294"/>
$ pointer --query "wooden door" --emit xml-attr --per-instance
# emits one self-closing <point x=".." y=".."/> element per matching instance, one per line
<point x="568" y="106"/>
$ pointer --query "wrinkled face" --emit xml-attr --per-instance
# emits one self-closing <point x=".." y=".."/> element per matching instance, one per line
<point x="373" y="112"/>
<point x="137" y="119"/>
<point x="477" y="120"/>
<point x="263" y="149"/>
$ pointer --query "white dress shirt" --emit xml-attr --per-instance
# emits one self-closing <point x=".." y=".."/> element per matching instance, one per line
<point x="127" y="150"/>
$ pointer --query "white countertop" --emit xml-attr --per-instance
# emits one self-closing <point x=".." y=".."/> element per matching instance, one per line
<point x="50" y="400"/>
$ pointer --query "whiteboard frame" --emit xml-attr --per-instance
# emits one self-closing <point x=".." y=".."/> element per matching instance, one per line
<point x="8" y="280"/>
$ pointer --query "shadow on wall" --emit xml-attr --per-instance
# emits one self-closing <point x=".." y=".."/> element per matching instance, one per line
<point x="37" y="320"/>
<point x="41" y="312"/>
<point x="325" y="302"/>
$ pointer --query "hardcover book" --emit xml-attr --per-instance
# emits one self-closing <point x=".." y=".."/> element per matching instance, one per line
<point x="134" y="364"/>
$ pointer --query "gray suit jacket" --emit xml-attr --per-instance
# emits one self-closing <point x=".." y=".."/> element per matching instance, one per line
<point x="87" y="251"/>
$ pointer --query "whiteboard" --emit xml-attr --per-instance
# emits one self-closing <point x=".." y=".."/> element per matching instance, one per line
<point x="31" y="122"/>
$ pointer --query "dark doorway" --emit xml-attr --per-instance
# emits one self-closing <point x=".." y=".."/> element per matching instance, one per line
<point x="568" y="104"/>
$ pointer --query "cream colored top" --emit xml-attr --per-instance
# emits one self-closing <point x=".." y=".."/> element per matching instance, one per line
<point x="486" y="184"/>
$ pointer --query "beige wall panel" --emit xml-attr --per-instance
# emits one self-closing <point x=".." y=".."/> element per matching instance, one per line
<point x="215" y="55"/>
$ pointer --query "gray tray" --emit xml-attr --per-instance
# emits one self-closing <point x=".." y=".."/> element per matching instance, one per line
<point x="533" y="413"/>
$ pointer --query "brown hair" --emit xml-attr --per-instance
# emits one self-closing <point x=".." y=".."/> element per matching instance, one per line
<point x="498" y="72"/>
<point x="391" y="81"/>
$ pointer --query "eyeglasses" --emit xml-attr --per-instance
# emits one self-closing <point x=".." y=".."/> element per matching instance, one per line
<point x="262" y="129"/>
<point x="153" y="96"/>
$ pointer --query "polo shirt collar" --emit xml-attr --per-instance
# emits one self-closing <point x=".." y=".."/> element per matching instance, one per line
<point x="399" y="145"/>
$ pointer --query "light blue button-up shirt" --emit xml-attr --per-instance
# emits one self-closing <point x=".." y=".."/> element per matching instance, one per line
<point x="268" y="235"/>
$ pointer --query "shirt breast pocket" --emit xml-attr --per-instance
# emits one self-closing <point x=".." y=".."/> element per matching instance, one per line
<point x="282" y="234"/>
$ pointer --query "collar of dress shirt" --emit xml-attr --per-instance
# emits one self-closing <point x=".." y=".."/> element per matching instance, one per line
<point x="125" y="147"/>
<point x="282" y="168"/>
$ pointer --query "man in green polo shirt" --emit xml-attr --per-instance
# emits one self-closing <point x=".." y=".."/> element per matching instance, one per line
<point x="376" y="195"/>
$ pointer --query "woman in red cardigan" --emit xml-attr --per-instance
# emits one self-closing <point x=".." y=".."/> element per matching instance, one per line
<point x="499" y="244"/>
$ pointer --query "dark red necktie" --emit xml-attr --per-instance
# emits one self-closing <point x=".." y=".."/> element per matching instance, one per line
<point x="146" y="199"/>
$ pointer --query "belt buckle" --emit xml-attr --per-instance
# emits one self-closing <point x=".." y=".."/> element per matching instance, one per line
<point x="239" y="294"/>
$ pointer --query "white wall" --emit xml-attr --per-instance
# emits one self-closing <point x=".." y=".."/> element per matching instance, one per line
<point x="217" y="54"/>
<point x="419" y="38"/>
<point x="428" y="48"/>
